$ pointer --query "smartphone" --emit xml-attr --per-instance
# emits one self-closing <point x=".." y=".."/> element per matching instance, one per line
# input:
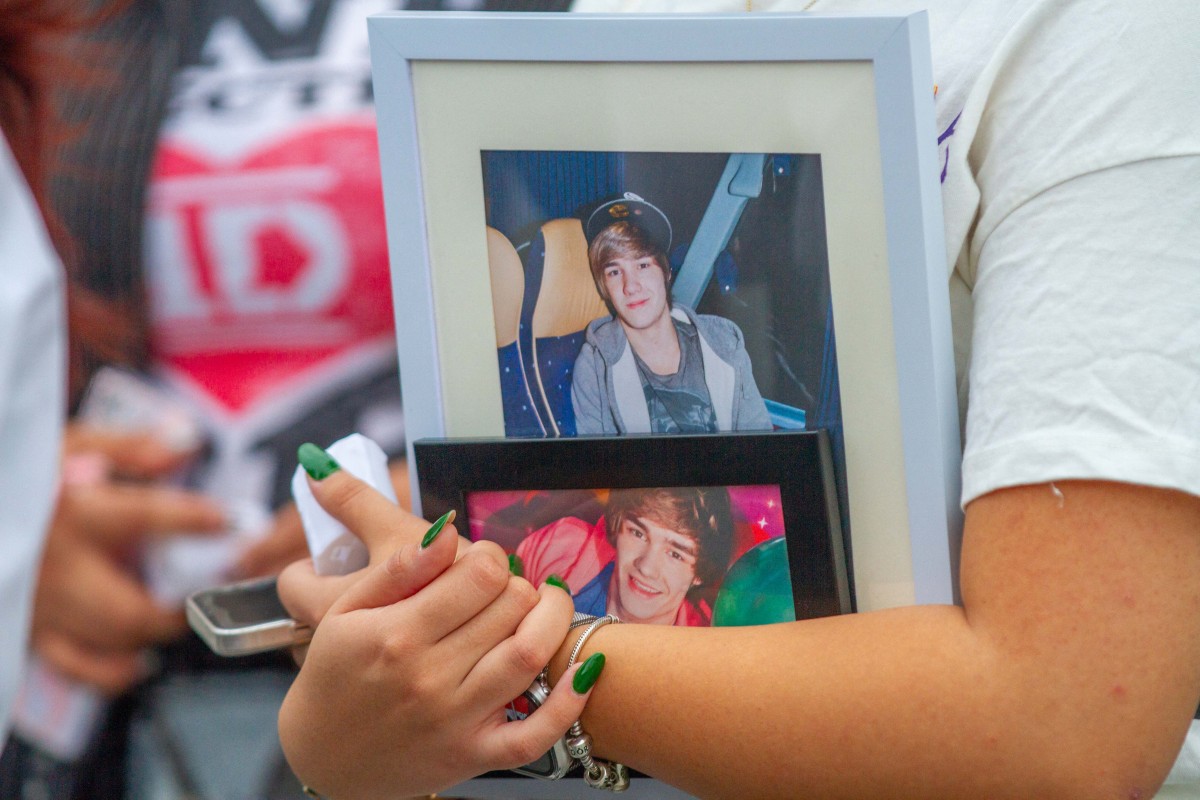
<point x="244" y="618"/>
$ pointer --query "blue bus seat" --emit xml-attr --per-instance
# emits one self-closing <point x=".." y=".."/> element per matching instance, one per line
<point x="508" y="290"/>
<point x="567" y="301"/>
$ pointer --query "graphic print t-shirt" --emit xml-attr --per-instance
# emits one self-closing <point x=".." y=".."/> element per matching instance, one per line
<point x="266" y="252"/>
<point x="679" y="403"/>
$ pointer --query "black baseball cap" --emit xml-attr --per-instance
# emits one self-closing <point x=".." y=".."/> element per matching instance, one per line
<point x="633" y="209"/>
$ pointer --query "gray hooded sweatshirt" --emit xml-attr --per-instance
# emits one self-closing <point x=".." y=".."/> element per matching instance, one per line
<point x="606" y="390"/>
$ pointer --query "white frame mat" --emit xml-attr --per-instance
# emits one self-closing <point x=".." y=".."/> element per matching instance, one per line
<point x="856" y="89"/>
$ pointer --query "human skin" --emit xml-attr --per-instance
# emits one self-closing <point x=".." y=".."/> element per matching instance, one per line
<point x="655" y="568"/>
<point x="463" y="637"/>
<point x="1071" y="670"/>
<point x="637" y="289"/>
<point x="92" y="616"/>
<point x="284" y="542"/>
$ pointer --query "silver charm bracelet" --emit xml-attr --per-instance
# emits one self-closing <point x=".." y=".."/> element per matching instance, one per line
<point x="597" y="773"/>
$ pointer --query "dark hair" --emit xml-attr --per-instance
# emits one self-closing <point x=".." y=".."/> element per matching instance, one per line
<point x="32" y="57"/>
<point x="701" y="513"/>
<point x="623" y="239"/>
<point x="42" y="52"/>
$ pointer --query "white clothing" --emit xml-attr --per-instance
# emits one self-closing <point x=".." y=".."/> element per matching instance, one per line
<point x="1069" y="136"/>
<point x="1070" y="220"/>
<point x="32" y="366"/>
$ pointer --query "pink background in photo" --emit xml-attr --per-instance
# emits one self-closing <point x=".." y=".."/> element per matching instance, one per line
<point x="506" y="517"/>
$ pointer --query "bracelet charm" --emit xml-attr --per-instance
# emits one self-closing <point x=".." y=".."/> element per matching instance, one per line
<point x="597" y="773"/>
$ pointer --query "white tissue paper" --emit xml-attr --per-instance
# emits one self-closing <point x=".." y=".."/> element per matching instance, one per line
<point x="335" y="550"/>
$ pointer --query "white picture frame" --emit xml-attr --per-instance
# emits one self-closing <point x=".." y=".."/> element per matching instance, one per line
<point x="856" y="89"/>
<point x="450" y="86"/>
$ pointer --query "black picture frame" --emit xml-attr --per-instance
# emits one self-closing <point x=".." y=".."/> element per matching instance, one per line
<point x="799" y="463"/>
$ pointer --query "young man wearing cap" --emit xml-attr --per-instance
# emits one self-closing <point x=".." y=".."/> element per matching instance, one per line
<point x="654" y="367"/>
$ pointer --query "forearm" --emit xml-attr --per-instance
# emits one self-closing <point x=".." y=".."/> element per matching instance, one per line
<point x="902" y="703"/>
<point x="845" y="707"/>
<point x="1046" y="686"/>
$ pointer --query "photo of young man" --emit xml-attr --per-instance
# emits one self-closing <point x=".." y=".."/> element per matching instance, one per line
<point x="655" y="366"/>
<point x="661" y="293"/>
<point x="649" y="558"/>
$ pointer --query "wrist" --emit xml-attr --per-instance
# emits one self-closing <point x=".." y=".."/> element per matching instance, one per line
<point x="597" y="772"/>
<point x="561" y="660"/>
<point x="558" y="664"/>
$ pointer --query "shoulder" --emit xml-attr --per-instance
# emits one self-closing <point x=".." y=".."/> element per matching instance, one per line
<point x="605" y="338"/>
<point x="567" y="531"/>
<point x="1036" y="93"/>
<point x="1069" y="160"/>
<point x="569" y="547"/>
<point x="723" y="335"/>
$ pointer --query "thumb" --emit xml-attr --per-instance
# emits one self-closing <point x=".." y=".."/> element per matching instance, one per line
<point x="406" y="571"/>
<point x="538" y="732"/>
<point x="283" y="544"/>
<point x="308" y="596"/>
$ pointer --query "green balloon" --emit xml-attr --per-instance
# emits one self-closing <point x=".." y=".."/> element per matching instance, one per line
<point x="758" y="588"/>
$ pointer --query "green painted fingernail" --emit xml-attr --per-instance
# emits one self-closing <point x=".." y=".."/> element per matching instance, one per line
<point x="433" y="532"/>
<point x="515" y="565"/>
<point x="316" y="462"/>
<point x="588" y="673"/>
<point x="554" y="580"/>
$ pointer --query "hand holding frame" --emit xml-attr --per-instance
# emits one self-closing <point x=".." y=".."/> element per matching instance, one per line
<point x="405" y="682"/>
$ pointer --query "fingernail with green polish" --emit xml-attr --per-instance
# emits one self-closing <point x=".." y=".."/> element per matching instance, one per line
<point x="436" y="528"/>
<point x="515" y="565"/>
<point x="588" y="673"/>
<point x="554" y="580"/>
<point x="316" y="462"/>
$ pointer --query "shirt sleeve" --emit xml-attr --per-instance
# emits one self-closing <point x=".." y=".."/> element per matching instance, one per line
<point x="1085" y="254"/>
<point x="32" y="366"/>
<point x="566" y="548"/>
<point x="1086" y="359"/>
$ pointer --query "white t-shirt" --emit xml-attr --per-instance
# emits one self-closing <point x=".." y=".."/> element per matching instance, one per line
<point x="1069" y="136"/>
<point x="32" y="365"/>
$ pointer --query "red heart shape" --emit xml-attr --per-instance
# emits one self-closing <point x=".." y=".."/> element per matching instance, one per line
<point x="270" y="266"/>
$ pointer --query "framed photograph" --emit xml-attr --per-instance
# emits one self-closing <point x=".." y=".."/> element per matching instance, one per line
<point x="686" y="224"/>
<point x="714" y="529"/>
<point x="696" y="530"/>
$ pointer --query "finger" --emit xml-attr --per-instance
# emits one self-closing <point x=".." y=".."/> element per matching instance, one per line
<point x="456" y="596"/>
<point x="381" y="524"/>
<point x="308" y="596"/>
<point x="281" y="546"/>
<point x="299" y="653"/>
<point x="116" y="514"/>
<point x="102" y="607"/>
<point x="86" y="469"/>
<point x="513" y="663"/>
<point x="492" y="629"/>
<point x="111" y="672"/>
<point x="512" y="744"/>
<point x="406" y="572"/>
<point x="136" y="455"/>
<point x="398" y="472"/>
